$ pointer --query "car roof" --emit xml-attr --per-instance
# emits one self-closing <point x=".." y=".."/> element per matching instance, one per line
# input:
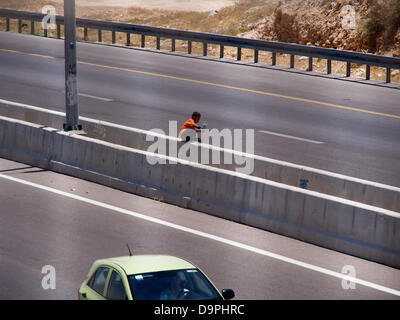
<point x="138" y="264"/>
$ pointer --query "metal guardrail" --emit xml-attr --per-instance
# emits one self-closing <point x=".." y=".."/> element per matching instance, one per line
<point x="209" y="38"/>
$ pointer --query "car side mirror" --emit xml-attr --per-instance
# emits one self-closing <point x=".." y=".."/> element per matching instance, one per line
<point x="228" y="294"/>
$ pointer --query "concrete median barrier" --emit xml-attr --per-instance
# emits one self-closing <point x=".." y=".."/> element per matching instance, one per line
<point x="347" y="226"/>
<point x="350" y="188"/>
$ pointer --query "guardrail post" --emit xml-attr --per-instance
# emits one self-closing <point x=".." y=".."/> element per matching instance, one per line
<point x="328" y="66"/>
<point x="85" y="34"/>
<point x="292" y="61"/>
<point x="143" y="42"/>
<point x="221" y="51"/>
<point x="7" y="24"/>
<point x="128" y="39"/>
<point x="189" y="47"/>
<point x="310" y="63"/>
<point x="368" y="72"/>
<point x="58" y="31"/>
<point x="173" y="45"/>
<point x="19" y="26"/>
<point x="113" y="37"/>
<point x="33" y="27"/>
<point x="239" y="54"/>
<point x="255" y="56"/>
<point x="99" y="36"/>
<point x="273" y="58"/>
<point x="388" y="74"/>
<point x="205" y="49"/>
<point x="158" y="43"/>
<point x="348" y="69"/>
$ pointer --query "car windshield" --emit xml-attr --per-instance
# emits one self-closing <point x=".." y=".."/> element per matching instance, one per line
<point x="187" y="284"/>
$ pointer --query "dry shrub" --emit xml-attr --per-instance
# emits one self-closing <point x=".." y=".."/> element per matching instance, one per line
<point x="381" y="25"/>
<point x="285" y="26"/>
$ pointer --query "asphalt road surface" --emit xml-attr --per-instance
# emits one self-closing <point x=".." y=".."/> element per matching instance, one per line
<point x="348" y="127"/>
<point x="52" y="219"/>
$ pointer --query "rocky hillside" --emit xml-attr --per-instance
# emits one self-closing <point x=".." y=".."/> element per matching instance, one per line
<point x="320" y="23"/>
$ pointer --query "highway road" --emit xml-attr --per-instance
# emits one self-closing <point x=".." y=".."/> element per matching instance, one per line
<point x="52" y="219"/>
<point x="347" y="127"/>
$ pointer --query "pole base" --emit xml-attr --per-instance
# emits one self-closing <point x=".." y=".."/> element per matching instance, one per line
<point x="72" y="128"/>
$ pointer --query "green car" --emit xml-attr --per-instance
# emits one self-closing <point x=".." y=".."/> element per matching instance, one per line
<point x="149" y="277"/>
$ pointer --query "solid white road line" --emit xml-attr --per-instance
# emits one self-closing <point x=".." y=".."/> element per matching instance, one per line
<point x="290" y="137"/>
<point x="208" y="236"/>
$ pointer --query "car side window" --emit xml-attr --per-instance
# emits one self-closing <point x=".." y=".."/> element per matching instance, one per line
<point x="98" y="280"/>
<point x="116" y="288"/>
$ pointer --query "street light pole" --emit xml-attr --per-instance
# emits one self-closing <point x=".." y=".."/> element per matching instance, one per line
<point x="71" y="85"/>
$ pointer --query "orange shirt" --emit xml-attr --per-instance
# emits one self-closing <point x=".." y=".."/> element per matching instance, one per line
<point x="189" y="124"/>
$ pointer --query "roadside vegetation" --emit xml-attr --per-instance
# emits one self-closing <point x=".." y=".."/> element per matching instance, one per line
<point x="381" y="26"/>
